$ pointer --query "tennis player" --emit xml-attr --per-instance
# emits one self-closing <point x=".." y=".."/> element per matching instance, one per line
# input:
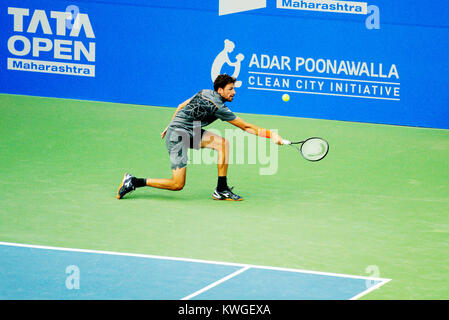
<point x="186" y="131"/>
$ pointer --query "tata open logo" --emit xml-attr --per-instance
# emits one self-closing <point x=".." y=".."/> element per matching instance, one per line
<point x="333" y="6"/>
<point x="234" y="6"/>
<point x="58" y="42"/>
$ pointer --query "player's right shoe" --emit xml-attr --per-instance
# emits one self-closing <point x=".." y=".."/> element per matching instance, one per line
<point x="226" y="195"/>
<point x="126" y="186"/>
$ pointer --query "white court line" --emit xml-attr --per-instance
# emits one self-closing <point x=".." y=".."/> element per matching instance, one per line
<point x="216" y="283"/>
<point x="377" y="286"/>
<point x="243" y="266"/>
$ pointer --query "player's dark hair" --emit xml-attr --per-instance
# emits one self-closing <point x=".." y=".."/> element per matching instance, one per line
<point x="222" y="81"/>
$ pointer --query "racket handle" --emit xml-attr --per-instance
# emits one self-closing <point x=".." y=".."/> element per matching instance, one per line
<point x="286" y="142"/>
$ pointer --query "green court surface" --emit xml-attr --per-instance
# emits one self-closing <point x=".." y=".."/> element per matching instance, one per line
<point x="377" y="205"/>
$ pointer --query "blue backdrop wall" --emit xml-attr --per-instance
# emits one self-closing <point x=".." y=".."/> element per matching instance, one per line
<point x="389" y="64"/>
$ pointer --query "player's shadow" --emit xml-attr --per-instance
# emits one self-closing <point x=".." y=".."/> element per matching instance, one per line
<point x="158" y="196"/>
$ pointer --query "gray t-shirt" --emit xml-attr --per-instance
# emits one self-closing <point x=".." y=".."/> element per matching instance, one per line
<point x="203" y="109"/>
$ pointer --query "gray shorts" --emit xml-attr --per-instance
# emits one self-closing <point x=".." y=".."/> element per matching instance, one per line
<point x="178" y="141"/>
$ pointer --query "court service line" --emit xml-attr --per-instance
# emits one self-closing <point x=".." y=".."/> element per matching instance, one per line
<point x="216" y="283"/>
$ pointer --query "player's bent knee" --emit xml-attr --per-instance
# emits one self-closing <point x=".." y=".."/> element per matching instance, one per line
<point x="177" y="186"/>
<point x="178" y="179"/>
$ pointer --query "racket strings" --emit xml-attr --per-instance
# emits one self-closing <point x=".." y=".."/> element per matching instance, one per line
<point x="312" y="149"/>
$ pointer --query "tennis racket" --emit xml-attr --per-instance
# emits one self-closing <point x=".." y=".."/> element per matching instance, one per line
<point x="312" y="149"/>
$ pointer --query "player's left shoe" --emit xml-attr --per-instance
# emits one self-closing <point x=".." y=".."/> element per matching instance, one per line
<point x="126" y="186"/>
<point x="226" y="195"/>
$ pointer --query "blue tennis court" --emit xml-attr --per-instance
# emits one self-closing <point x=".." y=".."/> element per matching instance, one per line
<point x="37" y="272"/>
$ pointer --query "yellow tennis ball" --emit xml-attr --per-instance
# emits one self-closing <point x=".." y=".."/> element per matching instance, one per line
<point x="285" y="97"/>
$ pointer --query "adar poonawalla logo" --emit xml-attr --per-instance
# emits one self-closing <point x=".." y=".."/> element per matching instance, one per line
<point x="223" y="58"/>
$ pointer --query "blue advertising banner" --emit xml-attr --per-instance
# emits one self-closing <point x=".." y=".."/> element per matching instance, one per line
<point x="383" y="62"/>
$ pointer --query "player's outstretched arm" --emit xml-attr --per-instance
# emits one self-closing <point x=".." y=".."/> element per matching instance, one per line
<point x="258" y="131"/>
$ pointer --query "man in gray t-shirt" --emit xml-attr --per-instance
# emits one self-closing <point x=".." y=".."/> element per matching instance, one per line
<point x="206" y="106"/>
<point x="185" y="131"/>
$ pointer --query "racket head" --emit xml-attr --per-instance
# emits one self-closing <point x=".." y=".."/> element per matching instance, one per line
<point x="314" y="149"/>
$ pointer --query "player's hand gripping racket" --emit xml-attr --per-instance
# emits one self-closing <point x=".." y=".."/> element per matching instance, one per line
<point x="312" y="149"/>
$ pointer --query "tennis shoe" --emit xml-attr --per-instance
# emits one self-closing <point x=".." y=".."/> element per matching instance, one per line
<point x="126" y="186"/>
<point x="226" y="195"/>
